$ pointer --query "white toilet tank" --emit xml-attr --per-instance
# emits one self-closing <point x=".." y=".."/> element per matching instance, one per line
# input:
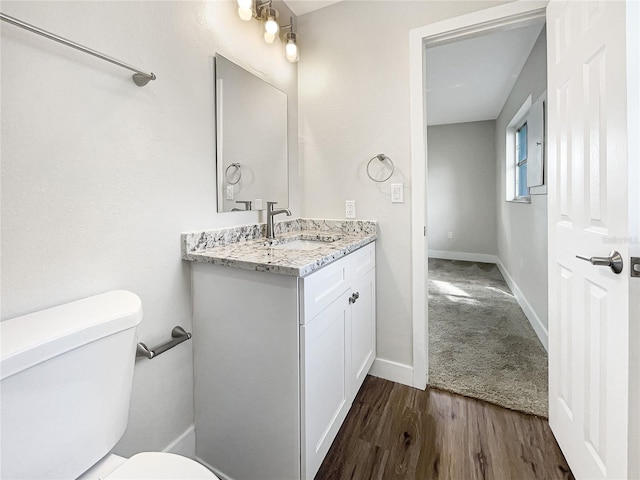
<point x="66" y="381"/>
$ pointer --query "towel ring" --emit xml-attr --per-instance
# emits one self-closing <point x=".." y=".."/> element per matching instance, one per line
<point x="384" y="161"/>
<point x="237" y="170"/>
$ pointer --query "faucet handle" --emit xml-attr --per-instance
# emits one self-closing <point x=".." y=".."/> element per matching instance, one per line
<point x="270" y="205"/>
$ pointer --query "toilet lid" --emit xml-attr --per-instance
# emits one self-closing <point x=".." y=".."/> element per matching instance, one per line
<point x="157" y="466"/>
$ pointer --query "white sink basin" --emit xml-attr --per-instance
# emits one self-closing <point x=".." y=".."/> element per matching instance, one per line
<point x="300" y="245"/>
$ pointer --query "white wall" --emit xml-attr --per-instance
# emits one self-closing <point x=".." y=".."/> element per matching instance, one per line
<point x="354" y="104"/>
<point x="461" y="189"/>
<point x="522" y="228"/>
<point x="100" y="177"/>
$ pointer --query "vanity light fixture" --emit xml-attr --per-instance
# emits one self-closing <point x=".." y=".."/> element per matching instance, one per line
<point x="269" y="37"/>
<point x="291" y="47"/>
<point x="245" y="9"/>
<point x="271" y="27"/>
<point x="263" y="11"/>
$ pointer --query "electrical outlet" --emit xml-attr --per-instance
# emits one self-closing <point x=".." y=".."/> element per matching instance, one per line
<point x="350" y="209"/>
<point x="450" y="235"/>
<point x="230" y="192"/>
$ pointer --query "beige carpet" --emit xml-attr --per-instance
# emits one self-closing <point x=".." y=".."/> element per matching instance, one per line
<point x="480" y="343"/>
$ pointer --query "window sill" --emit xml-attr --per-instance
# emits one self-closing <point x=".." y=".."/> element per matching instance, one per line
<point x="520" y="200"/>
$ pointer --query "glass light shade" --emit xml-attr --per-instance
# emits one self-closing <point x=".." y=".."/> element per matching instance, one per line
<point x="291" y="51"/>
<point x="245" y="3"/>
<point x="271" y="26"/>
<point x="269" y="37"/>
<point x="245" y="14"/>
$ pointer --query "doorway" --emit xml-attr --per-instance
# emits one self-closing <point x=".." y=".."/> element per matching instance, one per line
<point x="583" y="34"/>
<point x="482" y="343"/>
<point x="468" y="26"/>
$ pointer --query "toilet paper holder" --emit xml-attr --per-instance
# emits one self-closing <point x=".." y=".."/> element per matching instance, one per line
<point x="178" y="335"/>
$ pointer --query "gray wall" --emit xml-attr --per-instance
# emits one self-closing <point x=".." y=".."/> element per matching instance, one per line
<point x="354" y="103"/>
<point x="461" y="172"/>
<point x="100" y="177"/>
<point x="522" y="228"/>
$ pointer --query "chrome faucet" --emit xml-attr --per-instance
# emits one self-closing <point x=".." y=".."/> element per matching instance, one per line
<point x="270" y="214"/>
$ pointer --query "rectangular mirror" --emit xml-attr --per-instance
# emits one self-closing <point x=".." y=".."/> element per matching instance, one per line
<point x="251" y="140"/>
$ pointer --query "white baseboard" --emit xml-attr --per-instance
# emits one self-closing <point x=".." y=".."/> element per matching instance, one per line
<point x="185" y="444"/>
<point x="394" y="371"/>
<point x="528" y="310"/>
<point x="464" y="256"/>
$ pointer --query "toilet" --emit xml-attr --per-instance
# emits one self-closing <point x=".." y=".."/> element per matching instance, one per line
<point x="66" y="377"/>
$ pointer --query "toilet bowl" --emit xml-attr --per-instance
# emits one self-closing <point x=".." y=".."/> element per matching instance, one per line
<point x="147" y="465"/>
<point x="66" y="377"/>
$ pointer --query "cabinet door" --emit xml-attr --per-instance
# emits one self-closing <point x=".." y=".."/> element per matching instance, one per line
<point x="325" y="381"/>
<point x="363" y="329"/>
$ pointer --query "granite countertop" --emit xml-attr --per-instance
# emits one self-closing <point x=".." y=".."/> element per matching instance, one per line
<point x="246" y="246"/>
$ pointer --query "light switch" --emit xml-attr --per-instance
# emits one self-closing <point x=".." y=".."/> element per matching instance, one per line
<point x="397" y="193"/>
<point x="230" y="192"/>
<point x="257" y="204"/>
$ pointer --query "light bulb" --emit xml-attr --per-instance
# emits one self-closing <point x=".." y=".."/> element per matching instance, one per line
<point x="291" y="48"/>
<point x="291" y="51"/>
<point x="245" y="14"/>
<point x="269" y="37"/>
<point x="270" y="25"/>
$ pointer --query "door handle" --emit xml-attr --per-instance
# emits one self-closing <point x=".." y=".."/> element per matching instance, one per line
<point x="614" y="260"/>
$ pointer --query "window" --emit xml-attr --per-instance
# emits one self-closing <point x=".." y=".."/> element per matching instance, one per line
<point x="517" y="134"/>
<point x="522" y="192"/>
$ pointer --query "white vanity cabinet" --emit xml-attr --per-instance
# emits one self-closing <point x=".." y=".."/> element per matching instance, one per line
<point x="337" y="346"/>
<point x="278" y="361"/>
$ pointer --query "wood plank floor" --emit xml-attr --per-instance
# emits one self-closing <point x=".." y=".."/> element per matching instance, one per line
<point x="398" y="432"/>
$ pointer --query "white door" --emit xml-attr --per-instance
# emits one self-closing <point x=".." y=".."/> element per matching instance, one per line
<point x="588" y="216"/>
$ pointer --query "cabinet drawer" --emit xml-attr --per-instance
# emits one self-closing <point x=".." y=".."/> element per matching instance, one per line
<point x="323" y="287"/>
<point x="362" y="260"/>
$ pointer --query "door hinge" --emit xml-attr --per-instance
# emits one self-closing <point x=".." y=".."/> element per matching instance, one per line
<point x="635" y="266"/>
<point x="424" y="231"/>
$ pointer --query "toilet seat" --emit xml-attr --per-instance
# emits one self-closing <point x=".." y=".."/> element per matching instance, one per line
<point x="160" y="466"/>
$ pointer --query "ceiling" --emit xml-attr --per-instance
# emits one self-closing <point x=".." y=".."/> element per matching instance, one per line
<point x="300" y="7"/>
<point x="467" y="80"/>
<point x="470" y="80"/>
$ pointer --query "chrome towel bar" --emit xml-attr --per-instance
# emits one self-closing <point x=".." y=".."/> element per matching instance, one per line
<point x="140" y="78"/>
<point x="178" y="334"/>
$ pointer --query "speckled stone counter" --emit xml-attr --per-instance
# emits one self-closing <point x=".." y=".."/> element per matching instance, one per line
<point x="246" y="247"/>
